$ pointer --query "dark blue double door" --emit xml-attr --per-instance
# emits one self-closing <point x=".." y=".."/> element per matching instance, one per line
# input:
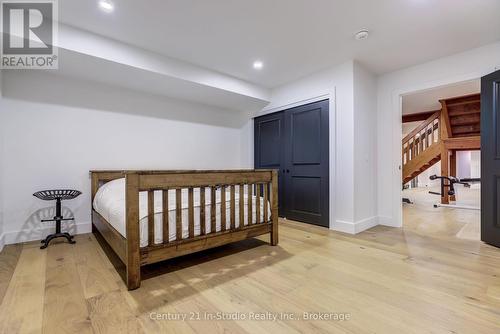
<point x="296" y="142"/>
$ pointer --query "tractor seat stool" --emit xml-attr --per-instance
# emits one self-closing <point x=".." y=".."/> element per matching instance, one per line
<point x="58" y="195"/>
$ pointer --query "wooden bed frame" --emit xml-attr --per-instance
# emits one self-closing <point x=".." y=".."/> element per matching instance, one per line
<point x="128" y="249"/>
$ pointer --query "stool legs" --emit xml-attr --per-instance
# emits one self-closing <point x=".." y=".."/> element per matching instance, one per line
<point x="58" y="218"/>
<point x="57" y="235"/>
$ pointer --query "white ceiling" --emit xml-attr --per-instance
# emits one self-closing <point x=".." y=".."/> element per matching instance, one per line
<point x="292" y="37"/>
<point x="428" y="100"/>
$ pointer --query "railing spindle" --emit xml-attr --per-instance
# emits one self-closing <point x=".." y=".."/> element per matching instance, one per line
<point x="420" y="144"/>
<point x="432" y="134"/>
<point x="438" y="130"/>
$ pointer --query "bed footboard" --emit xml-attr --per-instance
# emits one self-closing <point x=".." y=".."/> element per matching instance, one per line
<point x="261" y="184"/>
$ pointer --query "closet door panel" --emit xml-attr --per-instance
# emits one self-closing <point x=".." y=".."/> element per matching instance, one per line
<point x="307" y="163"/>
<point x="269" y="148"/>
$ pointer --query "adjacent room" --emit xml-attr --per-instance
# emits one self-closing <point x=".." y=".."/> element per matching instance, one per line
<point x="449" y="194"/>
<point x="285" y="166"/>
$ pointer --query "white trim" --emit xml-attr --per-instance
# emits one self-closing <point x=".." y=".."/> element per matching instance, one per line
<point x="26" y="235"/>
<point x="266" y="111"/>
<point x="365" y="224"/>
<point x="343" y="226"/>
<point x="2" y="241"/>
<point x="356" y="227"/>
<point x="386" y="221"/>
<point x="332" y="172"/>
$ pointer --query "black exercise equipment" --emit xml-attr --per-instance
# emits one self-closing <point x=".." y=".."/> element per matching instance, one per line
<point x="449" y="182"/>
<point x="450" y="185"/>
<point x="58" y="195"/>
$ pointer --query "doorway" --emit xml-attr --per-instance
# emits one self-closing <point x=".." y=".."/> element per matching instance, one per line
<point x="440" y="160"/>
<point x="296" y="142"/>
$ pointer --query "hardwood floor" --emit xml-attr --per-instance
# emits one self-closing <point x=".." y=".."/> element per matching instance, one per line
<point x="386" y="280"/>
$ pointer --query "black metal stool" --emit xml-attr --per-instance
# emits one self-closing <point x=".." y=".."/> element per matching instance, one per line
<point x="57" y="195"/>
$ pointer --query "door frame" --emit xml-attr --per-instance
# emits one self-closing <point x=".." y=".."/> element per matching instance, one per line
<point x="397" y="107"/>
<point x="332" y="116"/>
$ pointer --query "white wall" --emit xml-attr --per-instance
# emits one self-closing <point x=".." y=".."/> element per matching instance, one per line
<point x="409" y="127"/>
<point x="463" y="164"/>
<point x="461" y="67"/>
<point x="475" y="164"/>
<point x="423" y="179"/>
<point x="57" y="129"/>
<point x="365" y="148"/>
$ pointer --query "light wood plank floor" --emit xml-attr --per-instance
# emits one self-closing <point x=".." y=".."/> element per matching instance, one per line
<point x="410" y="280"/>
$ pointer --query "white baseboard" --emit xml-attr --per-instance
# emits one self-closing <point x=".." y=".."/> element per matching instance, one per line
<point x="1" y="241"/>
<point x="386" y="221"/>
<point x="343" y="226"/>
<point x="355" y="227"/>
<point x="14" y="237"/>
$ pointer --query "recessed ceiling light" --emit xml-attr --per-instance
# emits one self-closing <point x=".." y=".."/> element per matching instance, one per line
<point x="362" y="34"/>
<point x="258" y="65"/>
<point x="106" y="6"/>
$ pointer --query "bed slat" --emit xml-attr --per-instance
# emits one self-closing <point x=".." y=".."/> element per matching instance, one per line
<point x="249" y="204"/>
<point x="191" y="212"/>
<point x="178" y="214"/>
<point x="233" y="203"/>
<point x="257" y="203"/>
<point x="203" y="223"/>
<point x="266" y="188"/>
<point x="213" y="206"/>
<point x="242" y="205"/>
<point x="166" y="234"/>
<point x="223" y="208"/>
<point x="151" y="218"/>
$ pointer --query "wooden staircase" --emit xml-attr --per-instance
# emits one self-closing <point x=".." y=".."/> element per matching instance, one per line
<point x="421" y="147"/>
<point x="453" y="128"/>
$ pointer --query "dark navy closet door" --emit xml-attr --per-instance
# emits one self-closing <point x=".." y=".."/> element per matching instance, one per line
<point x="296" y="141"/>
<point x="490" y="159"/>
<point x="269" y="148"/>
<point x="307" y="164"/>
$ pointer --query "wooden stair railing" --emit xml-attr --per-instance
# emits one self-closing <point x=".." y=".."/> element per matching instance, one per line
<point x="454" y="128"/>
<point x="420" y="146"/>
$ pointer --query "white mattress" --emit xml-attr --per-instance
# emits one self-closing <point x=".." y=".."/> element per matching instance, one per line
<point x="109" y="202"/>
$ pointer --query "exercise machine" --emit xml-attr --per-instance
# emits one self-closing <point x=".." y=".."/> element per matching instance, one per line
<point x="448" y="184"/>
